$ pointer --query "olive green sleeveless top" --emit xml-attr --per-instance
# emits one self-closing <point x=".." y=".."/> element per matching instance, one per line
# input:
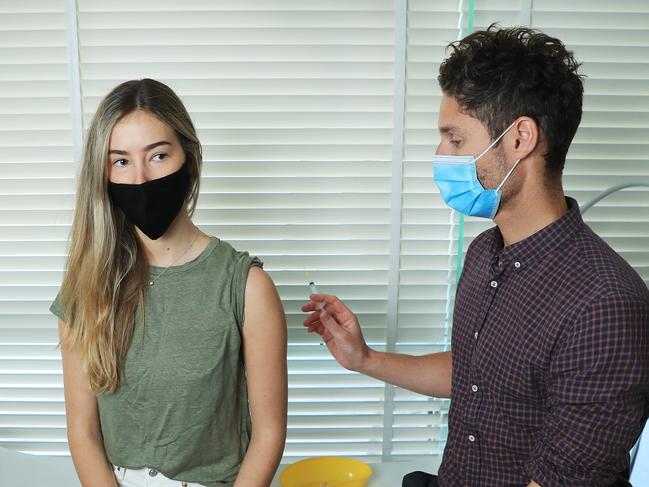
<point x="182" y="405"/>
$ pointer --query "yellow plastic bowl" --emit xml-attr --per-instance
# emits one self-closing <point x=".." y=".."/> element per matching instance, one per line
<point x="334" y="471"/>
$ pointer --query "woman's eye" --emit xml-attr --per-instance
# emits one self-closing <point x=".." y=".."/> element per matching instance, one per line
<point x="119" y="162"/>
<point x="160" y="156"/>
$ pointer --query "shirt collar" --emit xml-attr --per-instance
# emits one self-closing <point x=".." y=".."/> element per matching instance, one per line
<point x="540" y="243"/>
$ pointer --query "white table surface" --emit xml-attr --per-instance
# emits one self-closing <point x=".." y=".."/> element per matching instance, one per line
<point x="23" y="470"/>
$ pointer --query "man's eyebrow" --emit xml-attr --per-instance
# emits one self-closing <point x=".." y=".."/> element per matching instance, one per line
<point x="450" y="128"/>
<point x="146" y="148"/>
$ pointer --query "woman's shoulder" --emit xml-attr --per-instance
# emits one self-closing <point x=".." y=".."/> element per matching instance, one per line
<point x="226" y="251"/>
<point x="229" y="264"/>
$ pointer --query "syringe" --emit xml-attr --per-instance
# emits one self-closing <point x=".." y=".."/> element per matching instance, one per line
<point x="314" y="290"/>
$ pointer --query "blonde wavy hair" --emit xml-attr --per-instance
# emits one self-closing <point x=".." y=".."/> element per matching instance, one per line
<point x="106" y="271"/>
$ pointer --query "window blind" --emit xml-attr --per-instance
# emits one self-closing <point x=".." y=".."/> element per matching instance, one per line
<point x="294" y="104"/>
<point x="427" y="231"/>
<point x="35" y="195"/>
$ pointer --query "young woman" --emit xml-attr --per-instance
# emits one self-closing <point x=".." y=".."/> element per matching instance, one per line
<point x="173" y="343"/>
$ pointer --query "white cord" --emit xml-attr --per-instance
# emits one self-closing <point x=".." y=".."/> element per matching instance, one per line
<point x="589" y="205"/>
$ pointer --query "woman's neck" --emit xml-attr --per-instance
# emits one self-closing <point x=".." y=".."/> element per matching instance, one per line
<point x="182" y="242"/>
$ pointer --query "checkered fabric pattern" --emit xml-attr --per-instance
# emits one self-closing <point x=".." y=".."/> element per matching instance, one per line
<point x="550" y="350"/>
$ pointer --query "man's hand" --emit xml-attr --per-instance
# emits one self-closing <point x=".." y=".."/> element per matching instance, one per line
<point x="339" y="328"/>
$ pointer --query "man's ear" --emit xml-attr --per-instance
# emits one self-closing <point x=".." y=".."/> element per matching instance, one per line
<point x="524" y="137"/>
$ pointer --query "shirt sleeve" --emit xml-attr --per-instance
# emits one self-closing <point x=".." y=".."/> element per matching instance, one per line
<point x="239" y="278"/>
<point x="598" y="395"/>
<point x="57" y="308"/>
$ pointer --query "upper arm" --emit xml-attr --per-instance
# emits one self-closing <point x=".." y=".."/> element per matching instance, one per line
<point x="80" y="402"/>
<point x="264" y="343"/>
<point x="599" y="376"/>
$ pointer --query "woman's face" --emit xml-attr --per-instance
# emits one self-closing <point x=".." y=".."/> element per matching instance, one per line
<point x="142" y="148"/>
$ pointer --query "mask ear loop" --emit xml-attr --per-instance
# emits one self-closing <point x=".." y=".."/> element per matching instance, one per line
<point x="508" y="174"/>
<point x="495" y="141"/>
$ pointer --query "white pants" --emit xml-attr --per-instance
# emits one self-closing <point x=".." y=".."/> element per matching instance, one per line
<point x="146" y="477"/>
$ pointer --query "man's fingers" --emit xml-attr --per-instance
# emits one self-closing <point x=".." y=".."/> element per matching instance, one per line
<point x="312" y="318"/>
<point x="316" y="328"/>
<point x="330" y="324"/>
<point x="327" y="298"/>
<point x="317" y="302"/>
<point x="334" y="305"/>
<point x="322" y="331"/>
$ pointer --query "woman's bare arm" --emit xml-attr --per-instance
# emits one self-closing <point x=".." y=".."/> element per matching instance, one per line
<point x="264" y="336"/>
<point x="84" y="434"/>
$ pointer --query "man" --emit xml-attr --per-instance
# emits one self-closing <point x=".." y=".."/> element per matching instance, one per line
<point x="549" y="377"/>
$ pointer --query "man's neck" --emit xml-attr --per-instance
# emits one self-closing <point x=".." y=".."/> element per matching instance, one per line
<point x="526" y="215"/>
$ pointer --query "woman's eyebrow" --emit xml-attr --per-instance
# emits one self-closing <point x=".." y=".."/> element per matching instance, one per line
<point x="146" y="148"/>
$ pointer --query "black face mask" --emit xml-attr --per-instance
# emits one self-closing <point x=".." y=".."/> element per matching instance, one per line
<point x="153" y="205"/>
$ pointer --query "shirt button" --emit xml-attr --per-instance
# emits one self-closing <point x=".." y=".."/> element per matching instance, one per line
<point x="474" y="388"/>
<point x="153" y="472"/>
<point x="494" y="284"/>
<point x="471" y="438"/>
<point x="517" y="264"/>
<point x="475" y="335"/>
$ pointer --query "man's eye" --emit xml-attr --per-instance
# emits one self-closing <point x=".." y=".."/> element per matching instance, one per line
<point x="456" y="143"/>
<point x="160" y="156"/>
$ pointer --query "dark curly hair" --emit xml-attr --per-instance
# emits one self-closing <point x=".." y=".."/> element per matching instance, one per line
<point x="497" y="75"/>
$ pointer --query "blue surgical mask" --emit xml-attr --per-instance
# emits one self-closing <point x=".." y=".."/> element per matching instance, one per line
<point x="457" y="180"/>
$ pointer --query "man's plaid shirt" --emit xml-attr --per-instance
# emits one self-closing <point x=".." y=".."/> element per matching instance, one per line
<point x="550" y="351"/>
